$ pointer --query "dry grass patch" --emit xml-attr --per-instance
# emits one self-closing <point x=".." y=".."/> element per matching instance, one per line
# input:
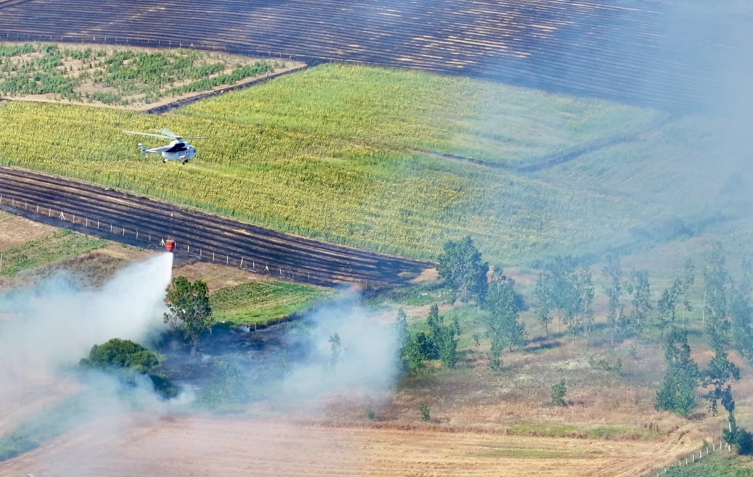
<point x="15" y="231"/>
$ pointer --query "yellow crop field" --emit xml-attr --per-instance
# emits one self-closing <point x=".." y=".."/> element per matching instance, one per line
<point x="314" y="178"/>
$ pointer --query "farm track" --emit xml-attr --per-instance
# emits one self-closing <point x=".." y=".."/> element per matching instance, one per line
<point x="632" y="51"/>
<point x="144" y="222"/>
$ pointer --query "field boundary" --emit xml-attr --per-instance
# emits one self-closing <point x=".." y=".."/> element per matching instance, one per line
<point x="556" y="158"/>
<point x="208" y="94"/>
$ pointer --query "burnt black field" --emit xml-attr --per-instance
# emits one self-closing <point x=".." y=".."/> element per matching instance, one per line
<point x="673" y="55"/>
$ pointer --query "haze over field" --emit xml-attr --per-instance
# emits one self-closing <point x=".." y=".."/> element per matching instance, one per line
<point x="580" y="172"/>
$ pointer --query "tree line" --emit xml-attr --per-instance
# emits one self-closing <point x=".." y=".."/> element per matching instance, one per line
<point x="564" y="296"/>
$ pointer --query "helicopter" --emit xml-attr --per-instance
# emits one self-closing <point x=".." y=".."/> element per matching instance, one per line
<point x="177" y="150"/>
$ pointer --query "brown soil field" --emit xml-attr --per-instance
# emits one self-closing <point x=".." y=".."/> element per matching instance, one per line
<point x="29" y="395"/>
<point x="15" y="231"/>
<point x="173" y="445"/>
<point x="215" y="275"/>
<point x="91" y="269"/>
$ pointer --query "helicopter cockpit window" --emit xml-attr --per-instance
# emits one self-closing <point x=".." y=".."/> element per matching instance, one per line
<point x="177" y="148"/>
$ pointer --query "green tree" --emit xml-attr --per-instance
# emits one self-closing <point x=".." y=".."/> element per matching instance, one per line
<point x="720" y="369"/>
<point x="403" y="339"/>
<point x="677" y="294"/>
<point x="715" y="292"/>
<point x="557" y="292"/>
<point x="461" y="267"/>
<point x="666" y="306"/>
<point x="420" y="348"/>
<point x="582" y="312"/>
<point x="678" y="391"/>
<point x="559" y="391"/>
<point x="542" y="295"/>
<point x="741" y="313"/>
<point x="189" y="312"/>
<point x="717" y="376"/>
<point x="688" y="278"/>
<point x="503" y="307"/>
<point x="225" y="389"/>
<point x="444" y="335"/>
<point x="639" y="290"/>
<point x="335" y="350"/>
<point x="613" y="273"/>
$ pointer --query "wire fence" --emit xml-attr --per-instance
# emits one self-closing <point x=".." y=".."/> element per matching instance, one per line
<point x="696" y="456"/>
<point x="111" y="230"/>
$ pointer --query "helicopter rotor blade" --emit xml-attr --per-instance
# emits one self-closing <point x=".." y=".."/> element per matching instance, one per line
<point x="148" y="134"/>
<point x="168" y="133"/>
<point x="193" y="137"/>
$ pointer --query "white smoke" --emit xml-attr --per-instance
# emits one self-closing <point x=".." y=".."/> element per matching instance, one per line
<point x="367" y="358"/>
<point x="48" y="328"/>
<point x="56" y="323"/>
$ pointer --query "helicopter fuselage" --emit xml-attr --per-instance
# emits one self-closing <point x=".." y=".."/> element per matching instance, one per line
<point x="177" y="150"/>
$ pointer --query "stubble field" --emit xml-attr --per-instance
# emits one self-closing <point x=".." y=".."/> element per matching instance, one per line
<point x="200" y="446"/>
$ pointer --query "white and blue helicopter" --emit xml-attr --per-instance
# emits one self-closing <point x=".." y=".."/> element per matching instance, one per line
<point x="177" y="150"/>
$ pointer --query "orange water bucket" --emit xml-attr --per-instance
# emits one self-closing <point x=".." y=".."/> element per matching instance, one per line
<point x="170" y="245"/>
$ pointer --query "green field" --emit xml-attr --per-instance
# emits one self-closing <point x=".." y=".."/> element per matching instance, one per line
<point x="331" y="153"/>
<point x="482" y="120"/>
<point x="715" y="466"/>
<point x="119" y="76"/>
<point x="58" y="246"/>
<point x="264" y="301"/>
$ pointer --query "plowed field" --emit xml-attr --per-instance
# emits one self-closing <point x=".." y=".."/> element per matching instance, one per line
<point x="650" y="52"/>
<point x="146" y="223"/>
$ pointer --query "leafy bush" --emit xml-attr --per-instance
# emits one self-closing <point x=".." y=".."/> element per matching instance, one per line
<point x="424" y="412"/>
<point x="127" y="359"/>
<point x="118" y="353"/>
<point x="225" y="390"/>
<point x="559" y="391"/>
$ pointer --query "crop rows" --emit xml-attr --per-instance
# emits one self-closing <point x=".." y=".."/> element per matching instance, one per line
<point x="261" y="301"/>
<point x="329" y="153"/>
<point x="115" y="76"/>
<point x="312" y="183"/>
<point x="645" y="52"/>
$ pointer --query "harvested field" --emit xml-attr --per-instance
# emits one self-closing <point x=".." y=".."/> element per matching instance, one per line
<point x="200" y="446"/>
<point x="215" y="275"/>
<point x="631" y="51"/>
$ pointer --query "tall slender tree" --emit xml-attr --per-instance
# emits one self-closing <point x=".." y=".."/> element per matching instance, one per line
<point x="613" y="273"/>
<point x="583" y="312"/>
<point x="741" y="312"/>
<point x="678" y="390"/>
<point x="542" y="295"/>
<point x="503" y="308"/>
<point x="640" y="292"/>
<point x="556" y="291"/>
